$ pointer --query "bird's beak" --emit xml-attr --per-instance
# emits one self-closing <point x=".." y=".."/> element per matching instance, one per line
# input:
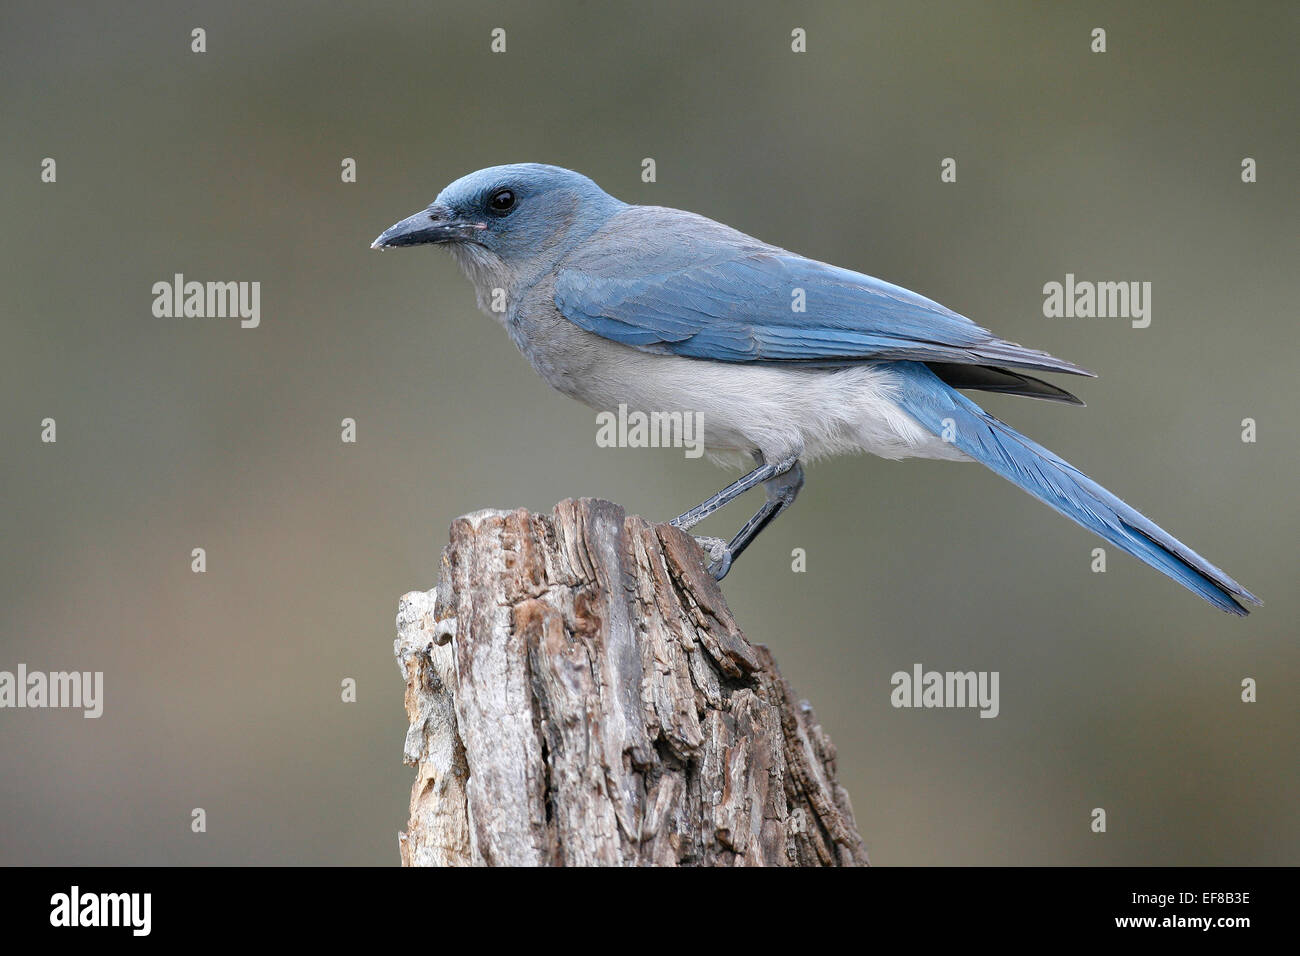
<point x="435" y="224"/>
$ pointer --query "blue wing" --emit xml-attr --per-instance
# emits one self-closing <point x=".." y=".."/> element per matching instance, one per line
<point x="740" y="305"/>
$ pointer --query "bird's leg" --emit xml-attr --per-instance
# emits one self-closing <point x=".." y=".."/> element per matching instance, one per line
<point x="781" y="492"/>
<point x="782" y="481"/>
<point x="764" y="472"/>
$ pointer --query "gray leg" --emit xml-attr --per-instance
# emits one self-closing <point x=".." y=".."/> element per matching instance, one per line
<point x="764" y="472"/>
<point x="781" y="492"/>
<point x="781" y="481"/>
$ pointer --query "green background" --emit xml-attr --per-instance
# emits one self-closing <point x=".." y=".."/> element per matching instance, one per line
<point x="1118" y="690"/>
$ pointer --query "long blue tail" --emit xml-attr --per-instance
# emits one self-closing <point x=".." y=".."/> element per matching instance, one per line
<point x="1062" y="486"/>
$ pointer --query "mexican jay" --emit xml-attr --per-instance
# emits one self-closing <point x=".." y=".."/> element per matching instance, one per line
<point x="667" y="311"/>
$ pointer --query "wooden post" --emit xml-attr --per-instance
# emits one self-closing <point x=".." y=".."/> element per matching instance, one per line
<point x="579" y="694"/>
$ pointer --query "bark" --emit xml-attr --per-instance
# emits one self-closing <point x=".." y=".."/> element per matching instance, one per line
<point x="579" y="694"/>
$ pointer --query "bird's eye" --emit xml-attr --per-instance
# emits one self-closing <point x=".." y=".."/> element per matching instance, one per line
<point x="502" y="201"/>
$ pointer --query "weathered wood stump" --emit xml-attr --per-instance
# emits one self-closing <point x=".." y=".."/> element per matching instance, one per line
<point x="579" y="694"/>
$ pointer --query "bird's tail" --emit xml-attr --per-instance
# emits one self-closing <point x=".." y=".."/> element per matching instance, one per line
<point x="952" y="416"/>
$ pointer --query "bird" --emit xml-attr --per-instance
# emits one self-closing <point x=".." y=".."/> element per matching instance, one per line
<point x="785" y="359"/>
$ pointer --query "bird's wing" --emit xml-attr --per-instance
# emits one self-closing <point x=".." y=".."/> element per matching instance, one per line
<point x="742" y="304"/>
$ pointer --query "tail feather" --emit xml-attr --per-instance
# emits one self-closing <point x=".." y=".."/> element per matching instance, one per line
<point x="1061" y="486"/>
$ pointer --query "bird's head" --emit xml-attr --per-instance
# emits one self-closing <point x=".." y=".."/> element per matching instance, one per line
<point x="527" y="215"/>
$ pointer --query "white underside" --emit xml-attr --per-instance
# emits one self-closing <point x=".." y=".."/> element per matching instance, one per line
<point x="811" y="413"/>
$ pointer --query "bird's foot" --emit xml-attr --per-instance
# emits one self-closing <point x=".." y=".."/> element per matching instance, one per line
<point x="719" y="555"/>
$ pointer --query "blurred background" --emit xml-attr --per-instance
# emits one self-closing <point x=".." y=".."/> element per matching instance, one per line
<point x="222" y="689"/>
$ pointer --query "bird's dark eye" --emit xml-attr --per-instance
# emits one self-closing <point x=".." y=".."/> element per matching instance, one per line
<point x="502" y="201"/>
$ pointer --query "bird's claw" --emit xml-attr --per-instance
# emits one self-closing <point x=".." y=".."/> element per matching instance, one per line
<point x="719" y="555"/>
<point x="721" y="566"/>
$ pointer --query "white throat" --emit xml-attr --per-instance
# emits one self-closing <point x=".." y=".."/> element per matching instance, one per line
<point x="493" y="284"/>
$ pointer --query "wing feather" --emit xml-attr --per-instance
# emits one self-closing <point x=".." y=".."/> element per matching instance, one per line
<point x="741" y="305"/>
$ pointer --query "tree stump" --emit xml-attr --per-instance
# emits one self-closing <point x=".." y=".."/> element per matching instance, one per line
<point x="580" y="695"/>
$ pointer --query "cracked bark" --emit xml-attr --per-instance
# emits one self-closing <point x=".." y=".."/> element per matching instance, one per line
<point x="579" y="694"/>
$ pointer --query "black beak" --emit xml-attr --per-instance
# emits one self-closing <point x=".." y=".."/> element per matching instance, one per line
<point x="435" y="224"/>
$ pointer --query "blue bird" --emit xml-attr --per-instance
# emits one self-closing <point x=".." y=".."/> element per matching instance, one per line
<point x="666" y="311"/>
